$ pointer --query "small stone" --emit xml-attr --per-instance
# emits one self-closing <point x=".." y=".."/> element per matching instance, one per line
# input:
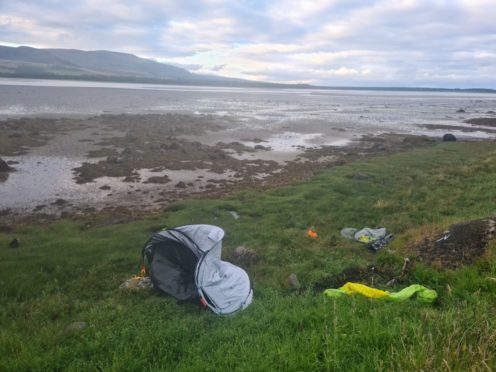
<point x="14" y="243"/>
<point x="39" y="207"/>
<point x="174" y="146"/>
<point x="5" y="228"/>
<point x="359" y="176"/>
<point x="4" y="167"/>
<point x="181" y="185"/>
<point x="5" y="212"/>
<point x="294" y="282"/>
<point x="460" y="111"/>
<point x="76" y="327"/>
<point x="59" y="202"/>
<point x="260" y="147"/>
<point x="244" y="255"/>
<point x="105" y="187"/>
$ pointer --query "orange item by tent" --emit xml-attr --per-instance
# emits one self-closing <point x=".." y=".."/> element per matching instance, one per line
<point x="311" y="234"/>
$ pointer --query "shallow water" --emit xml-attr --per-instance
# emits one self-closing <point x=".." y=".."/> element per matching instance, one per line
<point x="359" y="112"/>
<point x="286" y="120"/>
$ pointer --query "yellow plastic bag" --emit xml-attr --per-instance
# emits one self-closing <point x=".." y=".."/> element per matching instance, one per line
<point x="422" y="293"/>
<point x="363" y="290"/>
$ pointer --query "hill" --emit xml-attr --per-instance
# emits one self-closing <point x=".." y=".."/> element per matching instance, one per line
<point x="102" y="65"/>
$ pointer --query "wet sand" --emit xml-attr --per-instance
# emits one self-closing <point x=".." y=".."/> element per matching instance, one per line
<point x="142" y="163"/>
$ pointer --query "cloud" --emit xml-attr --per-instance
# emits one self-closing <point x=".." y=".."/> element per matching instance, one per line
<point x="327" y="42"/>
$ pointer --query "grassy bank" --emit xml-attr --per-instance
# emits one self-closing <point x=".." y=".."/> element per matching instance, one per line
<point x="67" y="272"/>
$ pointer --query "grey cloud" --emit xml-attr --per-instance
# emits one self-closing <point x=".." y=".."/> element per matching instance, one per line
<point x="217" y="68"/>
<point x="397" y="42"/>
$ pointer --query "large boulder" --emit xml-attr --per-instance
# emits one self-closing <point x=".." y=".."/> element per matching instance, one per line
<point x="448" y="137"/>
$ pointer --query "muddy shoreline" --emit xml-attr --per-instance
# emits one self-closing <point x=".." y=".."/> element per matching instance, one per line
<point x="127" y="165"/>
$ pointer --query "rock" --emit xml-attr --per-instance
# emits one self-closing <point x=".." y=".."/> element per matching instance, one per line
<point x="294" y="282"/>
<point x="260" y="147"/>
<point x="244" y="255"/>
<point x="14" y="243"/>
<point x="5" y="228"/>
<point x="174" y="146"/>
<point x="105" y="187"/>
<point x="158" y="179"/>
<point x="59" y="202"/>
<point x="114" y="160"/>
<point x="5" y="212"/>
<point x="181" y="185"/>
<point x="75" y="327"/>
<point x="448" y="137"/>
<point x="4" y="167"/>
<point x="359" y="176"/>
<point x="379" y="147"/>
<point x="459" y="111"/>
<point x="491" y="113"/>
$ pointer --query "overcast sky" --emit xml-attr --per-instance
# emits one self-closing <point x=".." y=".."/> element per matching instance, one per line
<point x="440" y="43"/>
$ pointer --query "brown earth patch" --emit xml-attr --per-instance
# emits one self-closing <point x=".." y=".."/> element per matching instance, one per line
<point x="371" y="275"/>
<point x="19" y="135"/>
<point x="488" y="122"/>
<point x="455" y="127"/>
<point x="462" y="244"/>
<point x="158" y="179"/>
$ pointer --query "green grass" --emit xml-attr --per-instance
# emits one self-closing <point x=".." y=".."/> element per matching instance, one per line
<point x="64" y="273"/>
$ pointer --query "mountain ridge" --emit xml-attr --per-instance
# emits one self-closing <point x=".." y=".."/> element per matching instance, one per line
<point x="104" y="65"/>
<point x="110" y="66"/>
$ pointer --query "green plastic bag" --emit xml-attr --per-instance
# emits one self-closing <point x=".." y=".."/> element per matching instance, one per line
<point x="421" y="293"/>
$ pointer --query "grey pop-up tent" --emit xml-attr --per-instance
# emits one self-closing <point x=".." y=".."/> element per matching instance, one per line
<point x="185" y="262"/>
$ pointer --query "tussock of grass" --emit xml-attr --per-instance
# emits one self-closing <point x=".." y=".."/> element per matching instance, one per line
<point x="62" y="274"/>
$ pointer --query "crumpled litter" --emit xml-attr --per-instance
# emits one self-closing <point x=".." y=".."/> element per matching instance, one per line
<point x="137" y="282"/>
<point x="375" y="245"/>
<point x="312" y="233"/>
<point x="417" y="291"/>
<point x="374" y="238"/>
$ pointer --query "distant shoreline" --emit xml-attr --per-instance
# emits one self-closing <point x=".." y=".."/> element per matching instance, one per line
<point x="235" y="84"/>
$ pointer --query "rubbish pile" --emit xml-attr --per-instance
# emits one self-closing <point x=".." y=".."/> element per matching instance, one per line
<point x="375" y="239"/>
<point x="137" y="282"/>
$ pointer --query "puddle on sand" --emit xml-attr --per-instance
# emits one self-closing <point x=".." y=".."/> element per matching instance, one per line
<point x="38" y="180"/>
<point x="42" y="180"/>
